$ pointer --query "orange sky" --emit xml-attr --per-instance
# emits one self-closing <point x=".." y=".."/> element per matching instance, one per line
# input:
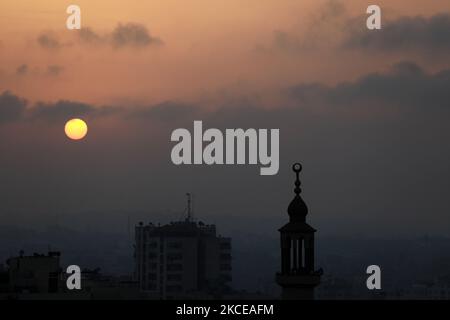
<point x="211" y="48"/>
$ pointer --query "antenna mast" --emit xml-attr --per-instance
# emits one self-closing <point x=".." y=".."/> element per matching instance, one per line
<point x="189" y="209"/>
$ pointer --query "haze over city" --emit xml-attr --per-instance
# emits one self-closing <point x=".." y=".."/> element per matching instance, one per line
<point x="365" y="114"/>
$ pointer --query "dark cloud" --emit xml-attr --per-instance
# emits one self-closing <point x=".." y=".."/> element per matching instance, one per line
<point x="51" y="70"/>
<point x="426" y="34"/>
<point x="407" y="85"/>
<point x="323" y="28"/>
<point x="54" y="70"/>
<point x="61" y="110"/>
<point x="167" y="112"/>
<point x="12" y="107"/>
<point x="22" y="70"/>
<point x="88" y="36"/>
<point x="331" y="9"/>
<point x="49" y="40"/>
<point x="332" y="26"/>
<point x="133" y="35"/>
<point x="130" y="34"/>
<point x="286" y="41"/>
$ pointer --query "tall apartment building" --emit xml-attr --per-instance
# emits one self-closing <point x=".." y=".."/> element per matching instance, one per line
<point x="182" y="259"/>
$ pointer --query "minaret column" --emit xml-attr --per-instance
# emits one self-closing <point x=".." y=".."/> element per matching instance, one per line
<point x="285" y="254"/>
<point x="301" y="263"/>
<point x="309" y="254"/>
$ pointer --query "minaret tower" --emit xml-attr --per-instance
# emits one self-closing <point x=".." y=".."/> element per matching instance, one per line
<point x="297" y="277"/>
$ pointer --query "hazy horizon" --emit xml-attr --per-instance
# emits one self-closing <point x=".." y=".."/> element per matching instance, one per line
<point x="365" y="113"/>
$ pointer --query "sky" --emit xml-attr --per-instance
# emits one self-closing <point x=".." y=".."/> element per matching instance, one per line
<point x="364" y="111"/>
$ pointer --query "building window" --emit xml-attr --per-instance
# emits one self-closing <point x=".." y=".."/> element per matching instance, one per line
<point x="176" y="288"/>
<point x="225" y="256"/>
<point x="151" y="286"/>
<point x="174" y="267"/>
<point x="152" y="276"/>
<point x="225" y="277"/>
<point x="174" y="245"/>
<point x="174" y="277"/>
<point x="174" y="256"/>
<point x="225" y="246"/>
<point x="225" y="267"/>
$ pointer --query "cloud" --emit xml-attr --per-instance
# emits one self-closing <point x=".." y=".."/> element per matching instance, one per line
<point x="88" y="36"/>
<point x="286" y="41"/>
<point x="332" y="27"/>
<point x="22" y="70"/>
<point x="168" y="111"/>
<point x="60" y="110"/>
<point x="63" y="110"/>
<point x="54" y="70"/>
<point x="323" y="27"/>
<point x="133" y="35"/>
<point x="49" y="40"/>
<point x="426" y="34"/>
<point x="51" y="70"/>
<point x="406" y="85"/>
<point x="130" y="34"/>
<point x="12" y="107"/>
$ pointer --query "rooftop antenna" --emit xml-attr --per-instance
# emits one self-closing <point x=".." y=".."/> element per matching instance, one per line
<point x="193" y="205"/>
<point x="189" y="209"/>
<point x="129" y="230"/>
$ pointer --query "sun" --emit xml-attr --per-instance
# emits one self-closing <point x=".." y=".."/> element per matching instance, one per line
<point x="76" y="129"/>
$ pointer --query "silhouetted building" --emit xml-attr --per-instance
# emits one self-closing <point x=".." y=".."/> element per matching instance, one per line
<point x="38" y="273"/>
<point x="4" y="279"/>
<point x="98" y="286"/>
<point x="298" y="277"/>
<point x="182" y="259"/>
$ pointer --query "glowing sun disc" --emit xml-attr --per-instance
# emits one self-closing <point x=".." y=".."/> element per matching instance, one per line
<point x="76" y="129"/>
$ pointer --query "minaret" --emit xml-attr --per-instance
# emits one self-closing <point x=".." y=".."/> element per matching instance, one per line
<point x="298" y="277"/>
